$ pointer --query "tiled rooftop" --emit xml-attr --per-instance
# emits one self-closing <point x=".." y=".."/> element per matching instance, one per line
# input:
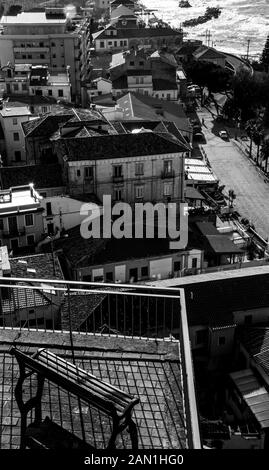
<point x="115" y="146"/>
<point x="150" y="370"/>
<point x="42" y="176"/>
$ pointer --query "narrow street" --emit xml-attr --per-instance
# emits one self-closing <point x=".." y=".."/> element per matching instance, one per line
<point x="237" y="172"/>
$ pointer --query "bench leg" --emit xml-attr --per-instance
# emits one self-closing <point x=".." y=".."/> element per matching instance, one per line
<point x="115" y="432"/>
<point x="132" y="428"/>
<point x="18" y="392"/>
<point x="38" y="407"/>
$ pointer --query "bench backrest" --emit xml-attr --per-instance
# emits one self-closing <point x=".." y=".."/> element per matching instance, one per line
<point x="77" y="381"/>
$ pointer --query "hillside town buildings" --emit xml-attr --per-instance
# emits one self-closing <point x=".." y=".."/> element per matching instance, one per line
<point x="98" y="105"/>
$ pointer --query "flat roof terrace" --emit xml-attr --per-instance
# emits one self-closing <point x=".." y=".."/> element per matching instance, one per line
<point x="149" y="370"/>
<point x="157" y="369"/>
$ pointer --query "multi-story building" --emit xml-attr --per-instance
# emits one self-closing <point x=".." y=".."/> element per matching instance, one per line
<point x="35" y="80"/>
<point x="141" y="162"/>
<point x="151" y="74"/>
<point x="114" y="4"/>
<point x="21" y="222"/>
<point x="125" y="259"/>
<point x="46" y="38"/>
<point x="116" y="39"/>
<point x="65" y="121"/>
<point x="12" y="145"/>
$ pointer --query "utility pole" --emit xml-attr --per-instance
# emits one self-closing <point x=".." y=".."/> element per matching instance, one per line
<point x="209" y="36"/>
<point x="248" y="48"/>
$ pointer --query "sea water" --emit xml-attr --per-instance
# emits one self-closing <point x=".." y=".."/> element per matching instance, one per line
<point x="238" y="22"/>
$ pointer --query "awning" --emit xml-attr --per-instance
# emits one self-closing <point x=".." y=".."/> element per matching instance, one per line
<point x="254" y="394"/>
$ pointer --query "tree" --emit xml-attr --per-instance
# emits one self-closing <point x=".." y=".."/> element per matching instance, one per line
<point x="265" y="55"/>
<point x="208" y="75"/>
<point x="265" y="153"/>
<point x="250" y="94"/>
<point x="14" y="10"/>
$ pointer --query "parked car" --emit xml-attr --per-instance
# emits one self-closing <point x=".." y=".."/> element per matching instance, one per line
<point x="244" y="137"/>
<point x="223" y="134"/>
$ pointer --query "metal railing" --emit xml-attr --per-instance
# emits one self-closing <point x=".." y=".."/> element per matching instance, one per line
<point x="89" y="308"/>
<point x="119" y="310"/>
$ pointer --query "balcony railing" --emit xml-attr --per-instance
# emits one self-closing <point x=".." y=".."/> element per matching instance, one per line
<point x="118" y="178"/>
<point x="124" y="311"/>
<point x="139" y="311"/>
<point x="168" y="174"/>
<point x="13" y="233"/>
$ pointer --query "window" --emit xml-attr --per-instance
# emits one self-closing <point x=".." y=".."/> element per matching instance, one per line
<point x="167" y="166"/>
<point x="41" y="44"/>
<point x="60" y="93"/>
<point x="31" y="312"/>
<point x="167" y="189"/>
<point x="42" y="56"/>
<point x="1" y="224"/>
<point x="14" y="243"/>
<point x="88" y="172"/>
<point x="194" y="263"/>
<point x="145" y="271"/>
<point x="29" y="220"/>
<point x="29" y="56"/>
<point x="115" y="43"/>
<point x="17" y="155"/>
<point x="15" y="121"/>
<point x="133" y="274"/>
<point x="222" y="340"/>
<point x="50" y="228"/>
<point x="118" y="194"/>
<point x="109" y="276"/>
<point x="30" y="240"/>
<point x="168" y="97"/>
<point x="16" y="87"/>
<point x="49" y="92"/>
<point x="141" y="63"/>
<point x="117" y="171"/>
<point x="177" y="266"/>
<point x="132" y="63"/>
<point x="139" y="192"/>
<point x="201" y="337"/>
<point x="139" y="168"/>
<point x="39" y="93"/>
<point x="248" y="319"/>
<point x="53" y="44"/>
<point x="54" y="56"/>
<point x="16" y="136"/>
<point x="48" y="208"/>
<point x="102" y="44"/>
<point x="78" y="173"/>
<point x="125" y="42"/>
<point x="24" y="86"/>
<point x="110" y="43"/>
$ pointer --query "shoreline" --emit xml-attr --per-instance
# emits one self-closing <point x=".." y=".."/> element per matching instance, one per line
<point x="222" y="38"/>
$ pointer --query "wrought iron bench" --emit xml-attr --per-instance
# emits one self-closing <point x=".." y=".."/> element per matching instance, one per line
<point x="101" y="395"/>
